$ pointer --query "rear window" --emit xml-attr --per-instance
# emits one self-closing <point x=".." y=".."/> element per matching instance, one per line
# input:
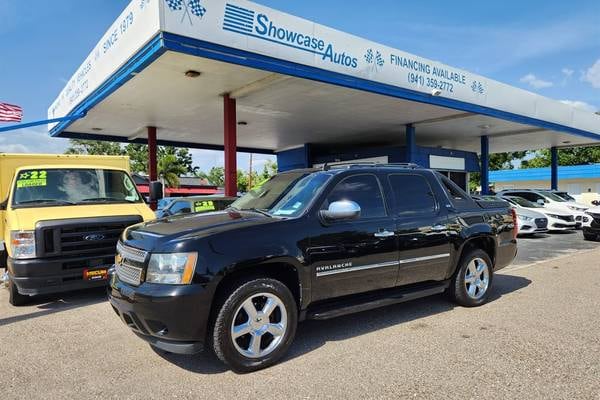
<point x="412" y="194"/>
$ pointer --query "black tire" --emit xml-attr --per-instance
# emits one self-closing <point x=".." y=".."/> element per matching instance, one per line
<point x="458" y="286"/>
<point x="590" y="236"/>
<point x="230" y="308"/>
<point x="14" y="297"/>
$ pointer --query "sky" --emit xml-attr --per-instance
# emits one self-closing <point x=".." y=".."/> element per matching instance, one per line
<point x="549" y="47"/>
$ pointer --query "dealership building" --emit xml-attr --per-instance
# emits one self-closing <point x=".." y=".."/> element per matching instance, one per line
<point x="237" y="76"/>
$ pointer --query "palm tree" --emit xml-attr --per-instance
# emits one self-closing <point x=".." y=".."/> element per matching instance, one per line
<point x="169" y="170"/>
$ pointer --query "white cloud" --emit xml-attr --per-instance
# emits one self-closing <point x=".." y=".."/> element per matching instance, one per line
<point x="580" y="104"/>
<point x="31" y="140"/>
<point x="567" y="72"/>
<point x="535" y="82"/>
<point x="592" y="75"/>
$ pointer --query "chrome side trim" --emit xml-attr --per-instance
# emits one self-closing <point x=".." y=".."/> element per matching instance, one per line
<point x="416" y="259"/>
<point x="358" y="268"/>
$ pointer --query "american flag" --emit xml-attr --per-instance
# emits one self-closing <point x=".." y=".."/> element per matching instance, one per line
<point x="10" y="113"/>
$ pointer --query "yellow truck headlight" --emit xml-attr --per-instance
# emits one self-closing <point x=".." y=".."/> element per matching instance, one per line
<point x="171" y="268"/>
<point x="22" y="244"/>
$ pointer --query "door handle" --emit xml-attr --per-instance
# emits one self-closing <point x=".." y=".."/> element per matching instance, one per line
<point x="439" y="228"/>
<point x="383" y="233"/>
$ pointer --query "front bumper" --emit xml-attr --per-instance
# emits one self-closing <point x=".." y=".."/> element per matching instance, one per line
<point x="40" y="276"/>
<point x="173" y="318"/>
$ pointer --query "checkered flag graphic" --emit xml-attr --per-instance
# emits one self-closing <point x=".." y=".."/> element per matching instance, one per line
<point x="196" y="8"/>
<point x="175" y="5"/>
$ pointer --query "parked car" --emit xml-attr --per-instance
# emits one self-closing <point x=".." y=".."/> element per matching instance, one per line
<point x="556" y="220"/>
<point x="564" y="195"/>
<point x="531" y="216"/>
<point x="552" y="202"/>
<point x="60" y="218"/>
<point x="308" y="244"/>
<point x="195" y="204"/>
<point x="591" y="231"/>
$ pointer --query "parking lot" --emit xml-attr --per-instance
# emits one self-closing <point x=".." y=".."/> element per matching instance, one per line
<point x="537" y="338"/>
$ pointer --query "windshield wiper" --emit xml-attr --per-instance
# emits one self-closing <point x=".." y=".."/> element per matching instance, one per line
<point x="41" y="201"/>
<point x="106" y="199"/>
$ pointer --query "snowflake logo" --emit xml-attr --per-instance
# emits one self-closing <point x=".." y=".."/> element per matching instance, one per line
<point x="374" y="59"/>
<point x="189" y="8"/>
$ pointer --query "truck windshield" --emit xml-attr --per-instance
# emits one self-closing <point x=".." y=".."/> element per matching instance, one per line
<point x="58" y="186"/>
<point x="286" y="194"/>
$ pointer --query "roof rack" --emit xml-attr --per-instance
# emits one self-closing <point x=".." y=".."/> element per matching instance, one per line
<point x="358" y="164"/>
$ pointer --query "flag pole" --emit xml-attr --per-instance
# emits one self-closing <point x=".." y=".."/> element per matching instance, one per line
<point x="43" y="122"/>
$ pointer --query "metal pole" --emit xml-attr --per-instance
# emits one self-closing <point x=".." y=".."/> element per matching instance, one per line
<point x="554" y="168"/>
<point x="411" y="144"/>
<point x="230" y="145"/>
<point x="485" y="165"/>
<point x="152" y="163"/>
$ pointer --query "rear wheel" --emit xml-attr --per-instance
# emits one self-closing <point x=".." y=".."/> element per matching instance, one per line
<point x="255" y="325"/>
<point x="473" y="279"/>
<point x="14" y="297"/>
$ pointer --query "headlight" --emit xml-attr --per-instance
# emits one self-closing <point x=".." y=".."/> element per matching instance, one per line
<point x="553" y="216"/>
<point x="524" y="218"/>
<point x="171" y="268"/>
<point x="574" y="208"/>
<point x="22" y="244"/>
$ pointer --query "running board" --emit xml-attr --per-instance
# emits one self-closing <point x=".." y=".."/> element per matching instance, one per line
<point x="373" y="300"/>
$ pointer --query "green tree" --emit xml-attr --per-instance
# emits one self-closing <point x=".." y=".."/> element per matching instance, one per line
<point x="216" y="176"/>
<point x="243" y="180"/>
<point x="269" y="170"/>
<point x="94" y="147"/>
<point x="568" y="156"/>
<point x="138" y="157"/>
<point x="169" y="170"/>
<point x="497" y="161"/>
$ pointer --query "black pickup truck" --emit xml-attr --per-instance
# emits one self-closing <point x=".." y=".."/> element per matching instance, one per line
<point x="308" y="244"/>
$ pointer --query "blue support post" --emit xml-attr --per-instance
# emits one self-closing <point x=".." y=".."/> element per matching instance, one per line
<point x="554" y="168"/>
<point x="485" y="165"/>
<point x="411" y="144"/>
<point x="42" y="122"/>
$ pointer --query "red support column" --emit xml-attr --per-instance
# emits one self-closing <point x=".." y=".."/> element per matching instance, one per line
<point x="230" y="144"/>
<point x="152" y="164"/>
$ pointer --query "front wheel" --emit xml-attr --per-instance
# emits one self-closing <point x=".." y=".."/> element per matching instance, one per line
<point x="473" y="279"/>
<point x="255" y="325"/>
<point x="14" y="297"/>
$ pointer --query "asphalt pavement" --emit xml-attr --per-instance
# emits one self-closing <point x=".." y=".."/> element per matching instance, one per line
<point x="537" y="338"/>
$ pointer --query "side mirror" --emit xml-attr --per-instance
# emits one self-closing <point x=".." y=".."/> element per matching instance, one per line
<point x="156" y="191"/>
<point x="596" y="202"/>
<point x="341" y="210"/>
<point x="3" y="205"/>
<point x="541" y="202"/>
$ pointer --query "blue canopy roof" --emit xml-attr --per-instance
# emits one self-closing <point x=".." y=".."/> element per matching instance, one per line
<point x="538" y="174"/>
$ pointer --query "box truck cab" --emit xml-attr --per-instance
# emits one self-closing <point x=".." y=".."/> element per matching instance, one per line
<point x="60" y="219"/>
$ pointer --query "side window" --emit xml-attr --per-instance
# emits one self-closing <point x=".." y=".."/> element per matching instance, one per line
<point x="412" y="194"/>
<point x="529" y="196"/>
<point x="362" y="189"/>
<point x="457" y="196"/>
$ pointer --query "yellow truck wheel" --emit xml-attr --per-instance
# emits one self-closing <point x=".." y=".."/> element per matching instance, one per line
<point x="15" y="298"/>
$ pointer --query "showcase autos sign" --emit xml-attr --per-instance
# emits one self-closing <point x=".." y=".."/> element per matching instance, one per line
<point x="247" y="22"/>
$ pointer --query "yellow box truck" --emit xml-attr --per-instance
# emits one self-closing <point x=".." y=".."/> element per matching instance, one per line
<point x="60" y="219"/>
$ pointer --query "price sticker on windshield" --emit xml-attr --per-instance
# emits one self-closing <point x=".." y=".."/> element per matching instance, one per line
<point x="201" y="206"/>
<point x="31" y="179"/>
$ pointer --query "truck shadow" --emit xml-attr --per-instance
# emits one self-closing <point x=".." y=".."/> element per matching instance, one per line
<point x="312" y="335"/>
<point x="41" y="306"/>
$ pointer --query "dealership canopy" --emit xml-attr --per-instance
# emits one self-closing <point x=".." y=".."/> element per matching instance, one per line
<point x="237" y="75"/>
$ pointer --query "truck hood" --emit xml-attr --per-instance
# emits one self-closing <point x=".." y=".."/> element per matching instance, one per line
<point x="177" y="228"/>
<point x="26" y="218"/>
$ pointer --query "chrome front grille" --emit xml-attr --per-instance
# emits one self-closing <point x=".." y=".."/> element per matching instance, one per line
<point x="128" y="273"/>
<point x="130" y="264"/>
<point x="131" y="253"/>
